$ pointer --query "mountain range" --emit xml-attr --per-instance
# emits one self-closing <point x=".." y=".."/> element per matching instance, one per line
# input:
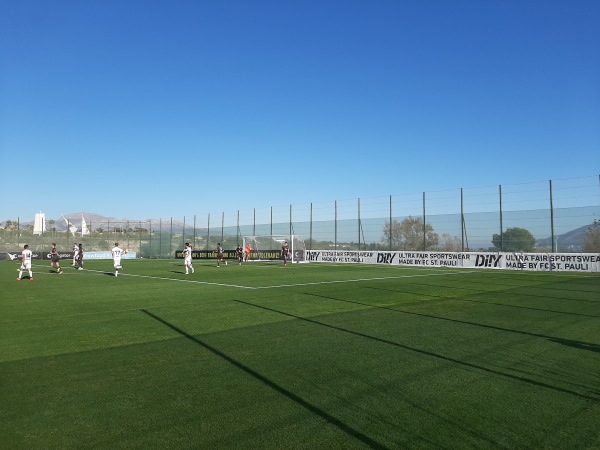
<point x="571" y="241"/>
<point x="94" y="220"/>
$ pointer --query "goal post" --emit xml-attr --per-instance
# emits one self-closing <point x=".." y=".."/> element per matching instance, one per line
<point x="268" y="247"/>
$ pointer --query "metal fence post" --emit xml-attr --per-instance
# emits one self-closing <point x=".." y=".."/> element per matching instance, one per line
<point x="554" y="246"/>
<point x="462" y="221"/>
<point x="335" y="227"/>
<point x="311" y="226"/>
<point x="501" y="226"/>
<point x="358" y="224"/>
<point x="424" y="225"/>
<point x="390" y="238"/>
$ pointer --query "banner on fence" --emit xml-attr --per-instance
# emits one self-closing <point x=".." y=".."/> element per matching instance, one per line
<point x="107" y="255"/>
<point x="231" y="254"/>
<point x="16" y="256"/>
<point x="564" y="262"/>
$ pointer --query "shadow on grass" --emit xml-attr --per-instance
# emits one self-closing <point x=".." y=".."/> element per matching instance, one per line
<point x="290" y="395"/>
<point x="577" y="344"/>
<point x="427" y="353"/>
<point x="571" y="343"/>
<point x="460" y="299"/>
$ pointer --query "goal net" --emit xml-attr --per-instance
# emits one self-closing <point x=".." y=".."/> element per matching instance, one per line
<point x="268" y="247"/>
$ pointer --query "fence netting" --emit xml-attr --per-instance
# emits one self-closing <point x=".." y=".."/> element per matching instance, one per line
<point x="560" y="215"/>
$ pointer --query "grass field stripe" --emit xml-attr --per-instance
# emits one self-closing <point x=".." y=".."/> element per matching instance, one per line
<point x="569" y="342"/>
<point x="271" y="384"/>
<point x="188" y="281"/>
<point x="170" y="279"/>
<point x="449" y="359"/>
<point x="355" y="280"/>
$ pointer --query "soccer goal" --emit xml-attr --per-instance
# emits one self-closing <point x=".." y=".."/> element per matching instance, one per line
<point x="268" y="247"/>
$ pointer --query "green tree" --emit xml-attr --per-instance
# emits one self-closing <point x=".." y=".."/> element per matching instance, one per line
<point x="514" y="240"/>
<point x="408" y="235"/>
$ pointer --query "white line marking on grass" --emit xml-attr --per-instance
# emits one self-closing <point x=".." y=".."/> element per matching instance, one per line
<point x="315" y="283"/>
<point x="364" y="279"/>
<point x="121" y="274"/>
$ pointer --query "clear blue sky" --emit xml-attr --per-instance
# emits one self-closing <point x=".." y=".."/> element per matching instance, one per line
<point x="148" y="109"/>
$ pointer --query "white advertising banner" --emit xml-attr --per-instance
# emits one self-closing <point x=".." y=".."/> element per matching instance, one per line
<point x="564" y="262"/>
<point x="107" y="255"/>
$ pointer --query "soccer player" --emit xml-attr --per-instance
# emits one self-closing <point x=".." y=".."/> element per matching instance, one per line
<point x="117" y="252"/>
<point x="75" y="251"/>
<point x="80" y="257"/>
<point x="239" y="251"/>
<point x="25" y="262"/>
<point x="55" y="259"/>
<point x="248" y="250"/>
<point x="219" y="252"/>
<point x="187" y="256"/>
<point x="285" y="252"/>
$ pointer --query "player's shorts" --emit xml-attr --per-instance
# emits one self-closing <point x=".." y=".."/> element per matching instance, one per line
<point x="26" y="265"/>
<point x="117" y="262"/>
<point x="188" y="260"/>
<point x="55" y="258"/>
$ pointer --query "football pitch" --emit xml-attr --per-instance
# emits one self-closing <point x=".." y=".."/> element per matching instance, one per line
<point x="309" y="356"/>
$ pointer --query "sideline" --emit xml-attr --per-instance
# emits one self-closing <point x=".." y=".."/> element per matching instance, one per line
<point x="366" y="279"/>
<point x="237" y="286"/>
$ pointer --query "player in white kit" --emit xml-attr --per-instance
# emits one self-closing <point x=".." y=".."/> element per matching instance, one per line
<point x="25" y="262"/>
<point x="187" y="256"/>
<point x="117" y="252"/>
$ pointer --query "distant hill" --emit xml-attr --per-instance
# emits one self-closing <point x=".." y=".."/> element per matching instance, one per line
<point x="99" y="221"/>
<point x="94" y="221"/>
<point x="572" y="241"/>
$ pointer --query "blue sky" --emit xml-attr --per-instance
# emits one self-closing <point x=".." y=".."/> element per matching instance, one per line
<point x="148" y="109"/>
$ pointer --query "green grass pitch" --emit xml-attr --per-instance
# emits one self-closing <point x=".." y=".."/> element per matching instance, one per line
<point x="309" y="356"/>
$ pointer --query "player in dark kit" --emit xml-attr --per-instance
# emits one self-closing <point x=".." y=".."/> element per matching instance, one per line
<point x="239" y="252"/>
<point x="79" y="260"/>
<point x="220" y="257"/>
<point x="285" y="252"/>
<point x="55" y="259"/>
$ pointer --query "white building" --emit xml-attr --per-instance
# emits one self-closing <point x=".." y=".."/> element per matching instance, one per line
<point x="39" y="225"/>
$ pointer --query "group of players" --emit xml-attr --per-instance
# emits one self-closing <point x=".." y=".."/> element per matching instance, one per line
<point x="26" y="256"/>
<point x="77" y="257"/>
<point x="117" y="252"/>
<point x="239" y="252"/>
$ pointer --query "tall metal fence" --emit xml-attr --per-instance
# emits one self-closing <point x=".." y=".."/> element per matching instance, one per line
<point x="562" y="216"/>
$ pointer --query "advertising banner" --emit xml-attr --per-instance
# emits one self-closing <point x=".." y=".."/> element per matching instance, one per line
<point x="564" y="262"/>
<point x="16" y="256"/>
<point x="231" y="254"/>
